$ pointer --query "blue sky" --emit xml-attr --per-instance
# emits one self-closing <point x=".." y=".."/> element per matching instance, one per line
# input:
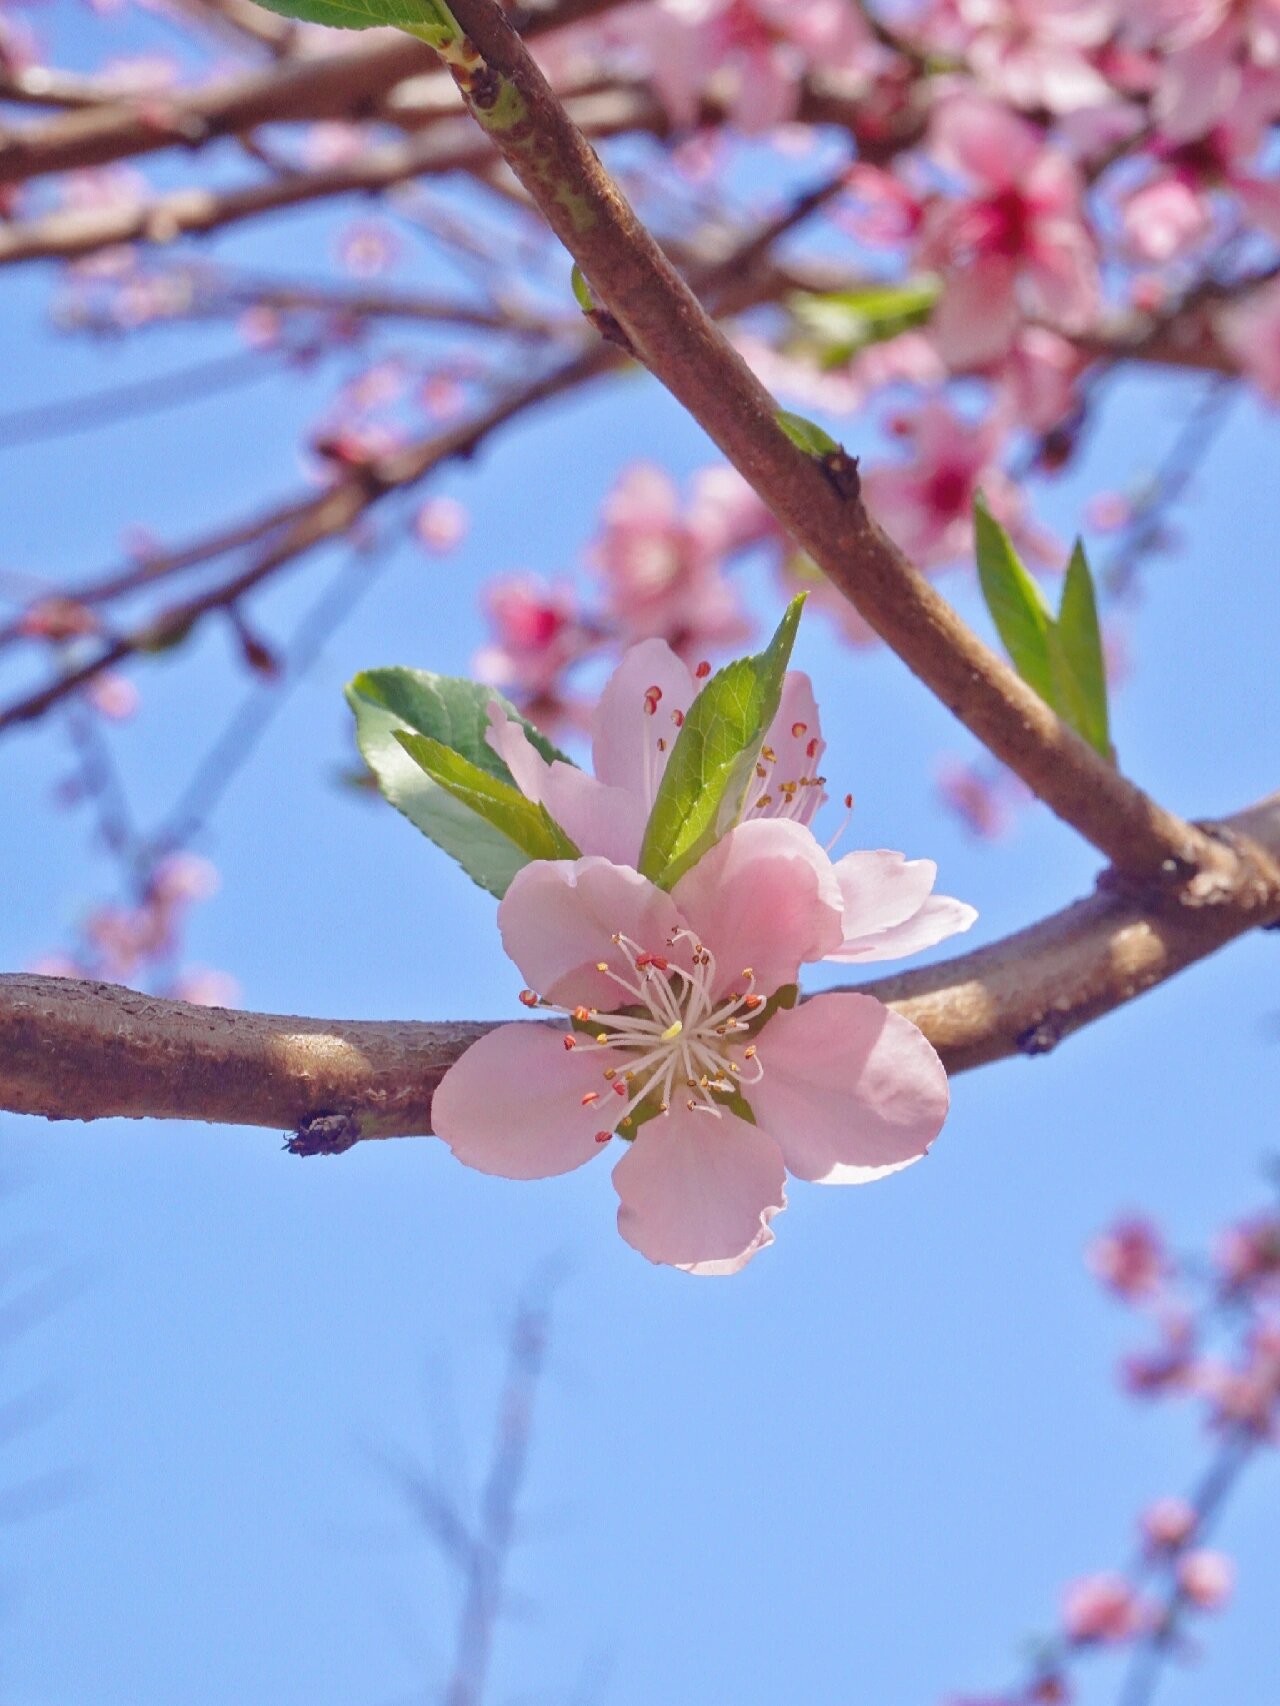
<point x="859" y="1471"/>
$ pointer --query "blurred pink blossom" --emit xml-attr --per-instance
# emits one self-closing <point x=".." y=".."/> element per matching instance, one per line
<point x="662" y="564"/>
<point x="1130" y="1258"/>
<point x="1169" y="1523"/>
<point x="1103" y="1608"/>
<point x="1018" y="247"/>
<point x="1206" y="1579"/>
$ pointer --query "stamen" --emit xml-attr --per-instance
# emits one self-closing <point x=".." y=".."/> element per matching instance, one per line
<point x="603" y="1136"/>
<point x="672" y="1032"/>
<point x="571" y="1041"/>
<point x="703" y="670"/>
<point x="528" y="998"/>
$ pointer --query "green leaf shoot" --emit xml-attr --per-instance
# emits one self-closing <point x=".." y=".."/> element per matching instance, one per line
<point x="703" y="787"/>
<point x="1062" y="659"/>
<point x="1017" y="605"/>
<point x="452" y="711"/>
<point x="500" y="804"/>
<point x="431" y="20"/>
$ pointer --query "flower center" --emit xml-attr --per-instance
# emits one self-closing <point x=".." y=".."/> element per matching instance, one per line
<point x="671" y="1039"/>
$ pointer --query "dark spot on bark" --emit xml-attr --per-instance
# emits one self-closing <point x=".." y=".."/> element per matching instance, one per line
<point x="842" y="473"/>
<point x="1040" y="1038"/>
<point x="325" y="1134"/>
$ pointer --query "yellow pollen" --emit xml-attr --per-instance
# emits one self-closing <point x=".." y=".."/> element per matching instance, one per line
<point x="602" y="965"/>
<point x="672" y="1032"/>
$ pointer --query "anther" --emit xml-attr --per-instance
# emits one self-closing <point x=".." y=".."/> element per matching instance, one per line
<point x="764" y="802"/>
<point x="571" y="1042"/>
<point x="672" y="1031"/>
<point x="619" y="1088"/>
<point x="703" y="670"/>
<point x="768" y="754"/>
<point x="602" y="965"/>
<point x="603" y="1136"/>
<point x="590" y="1097"/>
<point x="662" y="745"/>
<point x="811" y="751"/>
<point x="761" y="772"/>
<point x="581" y="1014"/>
<point x="602" y="1036"/>
<point x="751" y="1002"/>
<point x="749" y="1053"/>
<point x="677" y="717"/>
<point x="528" y="998"/>
<point x="799" y="730"/>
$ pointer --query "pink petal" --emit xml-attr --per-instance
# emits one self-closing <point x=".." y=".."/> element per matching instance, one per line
<point x="624" y="733"/>
<point x="792" y="733"/>
<point x="765" y="898"/>
<point x="888" y="908"/>
<point x="508" y="739"/>
<point x="699" y="1191"/>
<point x="596" y="819"/>
<point x="513" y="1104"/>
<point x="977" y="317"/>
<point x="558" y="920"/>
<point x="851" y="1091"/>
<point x="939" y="918"/>
<point x="880" y="889"/>
<point x="983" y="140"/>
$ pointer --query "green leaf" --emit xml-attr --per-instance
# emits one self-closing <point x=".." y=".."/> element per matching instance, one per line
<point x="807" y="435"/>
<point x="451" y="711"/>
<point x="430" y="19"/>
<point x="1079" y="665"/>
<point x="1016" y="603"/>
<point x="702" y="789"/>
<point x="500" y="804"/>
<point x="833" y="326"/>
<point x="582" y="290"/>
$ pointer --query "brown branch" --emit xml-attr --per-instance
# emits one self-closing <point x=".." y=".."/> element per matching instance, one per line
<point x="354" y="83"/>
<point x="86" y="1051"/>
<point x="815" y="498"/>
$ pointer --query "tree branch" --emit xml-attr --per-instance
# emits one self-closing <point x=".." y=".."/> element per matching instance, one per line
<point x="86" y="1051"/>
<point x="815" y="498"/>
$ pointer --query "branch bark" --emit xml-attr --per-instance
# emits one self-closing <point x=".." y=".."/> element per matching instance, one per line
<point x="815" y="498"/>
<point x="84" y="1051"/>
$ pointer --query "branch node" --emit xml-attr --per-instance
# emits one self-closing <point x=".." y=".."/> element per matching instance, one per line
<point x="1042" y="1037"/>
<point x="325" y="1134"/>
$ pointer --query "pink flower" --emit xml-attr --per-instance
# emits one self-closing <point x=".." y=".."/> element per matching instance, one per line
<point x="1032" y="53"/>
<point x="1206" y="1579"/>
<point x="759" y="49"/>
<point x="537" y="636"/>
<point x="673" y="1043"/>
<point x="1169" y="1523"/>
<point x="886" y="899"/>
<point x="663" y="570"/>
<point x="926" y="505"/>
<point x="1166" y="216"/>
<point x="1207" y="49"/>
<point x="1248" y="1255"/>
<point x="1101" y="1608"/>
<point x="1129" y="1259"/>
<point x="1018" y="247"/>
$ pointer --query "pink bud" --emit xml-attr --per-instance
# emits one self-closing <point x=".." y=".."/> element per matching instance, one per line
<point x="1101" y="1608"/>
<point x="1206" y="1578"/>
<point x="1169" y="1523"/>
